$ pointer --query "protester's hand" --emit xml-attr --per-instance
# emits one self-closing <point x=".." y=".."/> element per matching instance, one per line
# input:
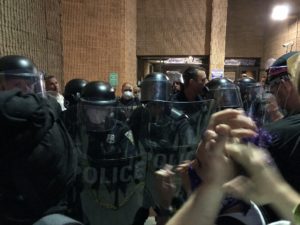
<point x="213" y="165"/>
<point x="165" y="186"/>
<point x="240" y="125"/>
<point x="182" y="170"/>
<point x="224" y="126"/>
<point x="262" y="176"/>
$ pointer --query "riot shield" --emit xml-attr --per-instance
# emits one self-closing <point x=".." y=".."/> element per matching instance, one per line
<point x="113" y="169"/>
<point x="123" y="112"/>
<point x="170" y="128"/>
<point x="198" y="114"/>
<point x="228" y="97"/>
<point x="168" y="135"/>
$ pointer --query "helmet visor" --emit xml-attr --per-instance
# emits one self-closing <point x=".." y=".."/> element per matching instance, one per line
<point x="26" y="82"/>
<point x="155" y="91"/>
<point x="226" y="98"/>
<point x="97" y="118"/>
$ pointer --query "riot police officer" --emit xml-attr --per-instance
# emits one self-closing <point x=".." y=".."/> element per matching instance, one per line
<point x="250" y="91"/>
<point x="162" y="132"/>
<point x="72" y="91"/>
<point x="38" y="160"/>
<point x="112" y="171"/>
<point x="256" y="100"/>
<point x="225" y="93"/>
<point x="72" y="95"/>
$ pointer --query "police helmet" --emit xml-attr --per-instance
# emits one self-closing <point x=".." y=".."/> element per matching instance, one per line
<point x="250" y="91"/>
<point x="245" y="82"/>
<point x="97" y="106"/>
<point x="247" y="85"/>
<point x="18" y="71"/>
<point x="16" y="65"/>
<point x="98" y="93"/>
<point x="156" y="87"/>
<point x="224" y="92"/>
<point x="72" y="91"/>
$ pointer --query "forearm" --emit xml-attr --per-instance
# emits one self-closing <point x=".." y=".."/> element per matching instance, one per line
<point x="285" y="201"/>
<point x="201" y="208"/>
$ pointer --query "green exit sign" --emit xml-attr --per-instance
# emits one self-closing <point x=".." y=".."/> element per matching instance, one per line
<point x="113" y="79"/>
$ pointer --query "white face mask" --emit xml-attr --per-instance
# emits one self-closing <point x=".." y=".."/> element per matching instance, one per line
<point x="127" y="95"/>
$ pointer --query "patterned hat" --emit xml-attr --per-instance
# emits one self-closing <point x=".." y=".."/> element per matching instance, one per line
<point x="285" y="67"/>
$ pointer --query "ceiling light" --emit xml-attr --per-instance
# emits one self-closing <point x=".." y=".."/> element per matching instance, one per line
<point x="280" y="12"/>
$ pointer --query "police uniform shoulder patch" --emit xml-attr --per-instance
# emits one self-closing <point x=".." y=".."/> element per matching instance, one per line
<point x="129" y="135"/>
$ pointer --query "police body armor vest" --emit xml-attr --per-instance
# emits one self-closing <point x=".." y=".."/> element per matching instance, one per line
<point x="168" y="140"/>
<point x="114" y="168"/>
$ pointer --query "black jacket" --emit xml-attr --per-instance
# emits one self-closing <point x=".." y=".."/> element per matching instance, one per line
<point x="38" y="159"/>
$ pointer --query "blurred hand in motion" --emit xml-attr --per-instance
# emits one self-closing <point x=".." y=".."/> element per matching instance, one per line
<point x="224" y="127"/>
<point x="182" y="170"/>
<point x="240" y="125"/>
<point x="262" y="175"/>
<point x="165" y="186"/>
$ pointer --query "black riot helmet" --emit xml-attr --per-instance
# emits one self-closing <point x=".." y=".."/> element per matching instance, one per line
<point x="247" y="86"/>
<point x="156" y="87"/>
<point x="224" y="92"/>
<point x="17" y="65"/>
<point x="250" y="90"/>
<point x="97" y="106"/>
<point x="18" y="71"/>
<point x="72" y="91"/>
<point x="245" y="82"/>
<point x="98" y="93"/>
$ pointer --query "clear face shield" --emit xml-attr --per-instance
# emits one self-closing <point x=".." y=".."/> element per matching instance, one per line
<point x="26" y="82"/>
<point x="226" y="98"/>
<point x="157" y="111"/>
<point x="97" y="118"/>
<point x="250" y="95"/>
<point x="251" y="92"/>
<point x="156" y="91"/>
<point x="265" y="110"/>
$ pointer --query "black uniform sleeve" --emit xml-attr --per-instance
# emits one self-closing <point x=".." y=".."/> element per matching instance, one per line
<point x="22" y="117"/>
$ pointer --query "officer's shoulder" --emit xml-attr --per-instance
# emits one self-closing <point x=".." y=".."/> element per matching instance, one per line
<point x="16" y="99"/>
<point x="18" y="105"/>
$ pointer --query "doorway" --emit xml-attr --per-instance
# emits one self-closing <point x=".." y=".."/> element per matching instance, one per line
<point x="167" y="64"/>
<point x="236" y="68"/>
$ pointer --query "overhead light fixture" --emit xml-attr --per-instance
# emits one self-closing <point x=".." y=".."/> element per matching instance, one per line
<point x="280" y="12"/>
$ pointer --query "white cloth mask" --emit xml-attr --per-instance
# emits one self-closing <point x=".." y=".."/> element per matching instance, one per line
<point x="127" y="95"/>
